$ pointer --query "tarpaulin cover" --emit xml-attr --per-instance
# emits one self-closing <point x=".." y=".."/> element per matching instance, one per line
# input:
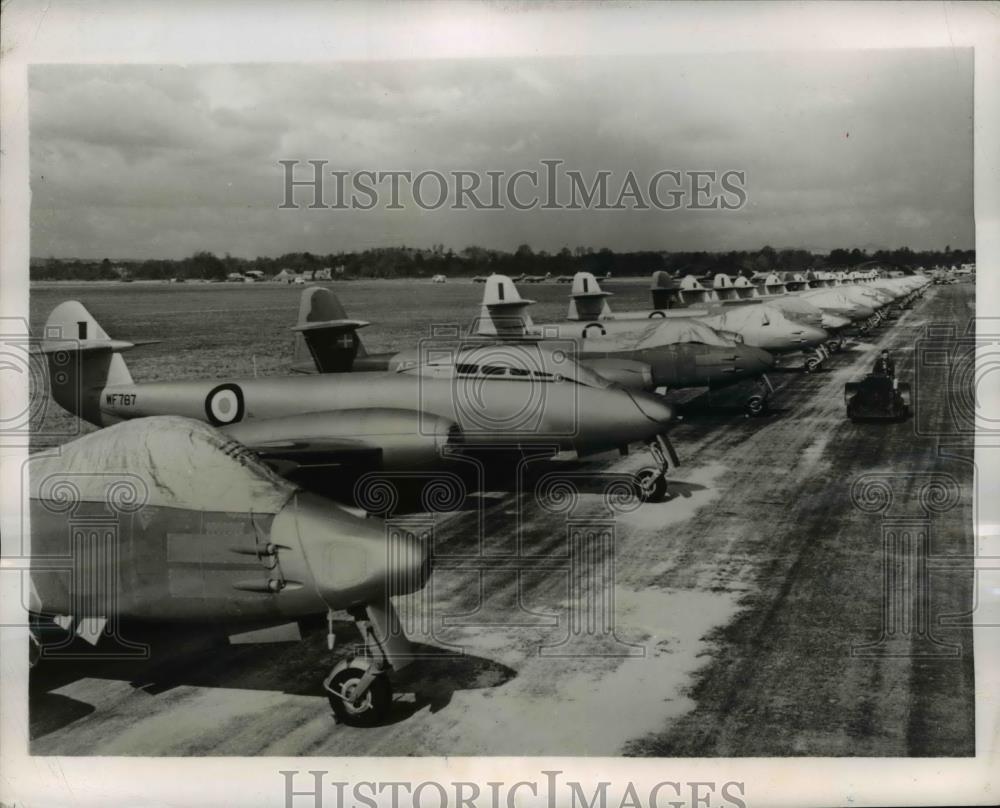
<point x="163" y="461"/>
<point x="674" y="332"/>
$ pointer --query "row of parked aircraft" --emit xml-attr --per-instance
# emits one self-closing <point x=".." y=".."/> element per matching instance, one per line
<point x="546" y="278"/>
<point x="238" y="526"/>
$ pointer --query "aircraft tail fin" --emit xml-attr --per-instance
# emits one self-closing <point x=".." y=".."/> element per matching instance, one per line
<point x="82" y="360"/>
<point x="668" y="292"/>
<point x="504" y="312"/>
<point x="745" y="289"/>
<point x="664" y="291"/>
<point x="326" y="340"/>
<point x="587" y="300"/>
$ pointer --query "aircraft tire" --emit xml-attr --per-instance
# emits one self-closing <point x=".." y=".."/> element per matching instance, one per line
<point x="374" y="707"/>
<point x="650" y="485"/>
<point x="756" y="406"/>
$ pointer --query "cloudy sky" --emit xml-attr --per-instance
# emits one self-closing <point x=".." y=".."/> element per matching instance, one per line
<point x="840" y="149"/>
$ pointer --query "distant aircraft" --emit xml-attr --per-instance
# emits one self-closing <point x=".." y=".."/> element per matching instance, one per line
<point x="756" y="320"/>
<point x="569" y="278"/>
<point x="167" y="520"/>
<point x="666" y="353"/>
<point x="416" y="417"/>
<point x="837" y="299"/>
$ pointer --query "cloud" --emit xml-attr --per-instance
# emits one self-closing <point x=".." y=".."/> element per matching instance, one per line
<point x="865" y="148"/>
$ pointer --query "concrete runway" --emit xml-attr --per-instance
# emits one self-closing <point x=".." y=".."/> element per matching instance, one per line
<point x="744" y="617"/>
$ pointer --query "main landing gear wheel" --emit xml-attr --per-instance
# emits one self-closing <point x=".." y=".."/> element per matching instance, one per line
<point x="650" y="485"/>
<point x="366" y="711"/>
<point x="755" y="406"/>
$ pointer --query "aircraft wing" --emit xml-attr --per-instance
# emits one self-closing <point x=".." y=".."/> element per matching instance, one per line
<point x="745" y="301"/>
<point x="353" y="440"/>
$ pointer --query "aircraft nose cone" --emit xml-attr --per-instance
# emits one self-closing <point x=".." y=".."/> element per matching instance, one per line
<point x="408" y="564"/>
<point x="759" y="360"/>
<point x="345" y="558"/>
<point x="653" y="407"/>
<point x="617" y="416"/>
<point x="815" y="336"/>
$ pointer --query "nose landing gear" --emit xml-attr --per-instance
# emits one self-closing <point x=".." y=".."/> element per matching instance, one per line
<point x="651" y="483"/>
<point x="819" y="356"/>
<point x="756" y="405"/>
<point x="358" y="687"/>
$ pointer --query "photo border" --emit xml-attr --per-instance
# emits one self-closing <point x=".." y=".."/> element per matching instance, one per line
<point x="222" y="32"/>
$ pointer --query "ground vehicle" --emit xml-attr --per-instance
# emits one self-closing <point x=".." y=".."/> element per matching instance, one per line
<point x="877" y="397"/>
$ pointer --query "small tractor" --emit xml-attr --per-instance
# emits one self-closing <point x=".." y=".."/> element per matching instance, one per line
<point x="877" y="397"/>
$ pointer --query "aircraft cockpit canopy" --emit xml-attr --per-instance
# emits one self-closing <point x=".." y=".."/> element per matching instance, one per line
<point x="511" y="361"/>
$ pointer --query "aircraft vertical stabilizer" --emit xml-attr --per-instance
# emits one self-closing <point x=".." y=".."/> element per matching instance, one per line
<point x="326" y="340"/>
<point x="504" y="312"/>
<point x="587" y="300"/>
<point x="82" y="360"/>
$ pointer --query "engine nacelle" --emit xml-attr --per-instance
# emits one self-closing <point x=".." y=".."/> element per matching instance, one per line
<point x="627" y="373"/>
<point x="396" y="439"/>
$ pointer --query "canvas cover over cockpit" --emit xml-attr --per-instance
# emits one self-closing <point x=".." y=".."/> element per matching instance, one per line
<point x="754" y="315"/>
<point x="674" y="332"/>
<point x="165" y="461"/>
<point x="830" y="297"/>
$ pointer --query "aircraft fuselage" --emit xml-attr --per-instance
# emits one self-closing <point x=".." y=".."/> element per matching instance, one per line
<point x="488" y="411"/>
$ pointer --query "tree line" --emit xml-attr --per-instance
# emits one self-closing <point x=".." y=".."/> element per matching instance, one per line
<point x="408" y="262"/>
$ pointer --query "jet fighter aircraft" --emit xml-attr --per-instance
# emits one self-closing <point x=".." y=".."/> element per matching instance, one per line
<point x="168" y="521"/>
<point x="781" y="291"/>
<point x="823" y="309"/>
<point x="418" y="416"/>
<point x="654" y="355"/>
<point x="755" y="321"/>
<point x="678" y="353"/>
<point x="838" y="301"/>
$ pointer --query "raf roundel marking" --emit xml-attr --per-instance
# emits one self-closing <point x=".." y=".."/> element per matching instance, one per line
<point x="224" y="405"/>
<point x="592" y="327"/>
<point x="654" y="315"/>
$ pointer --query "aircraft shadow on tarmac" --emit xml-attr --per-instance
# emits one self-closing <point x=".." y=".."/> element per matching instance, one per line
<point x="295" y="668"/>
<point x="798" y="370"/>
<point x="701" y="409"/>
<point x="497" y="482"/>
<point x="681" y="489"/>
<point x="49" y="712"/>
